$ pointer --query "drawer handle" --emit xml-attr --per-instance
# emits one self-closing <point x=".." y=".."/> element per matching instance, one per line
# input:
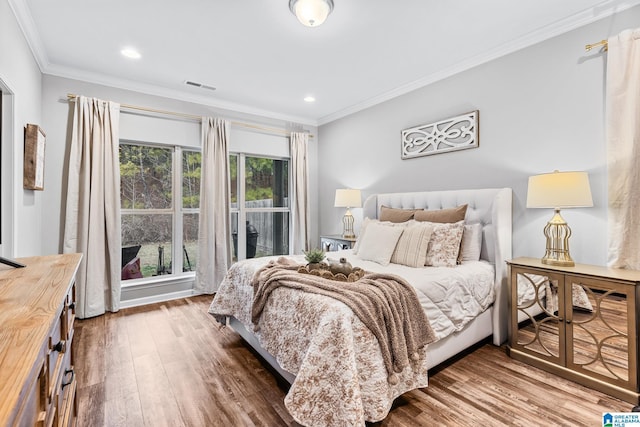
<point x="60" y="346"/>
<point x="72" y="306"/>
<point x="67" y="372"/>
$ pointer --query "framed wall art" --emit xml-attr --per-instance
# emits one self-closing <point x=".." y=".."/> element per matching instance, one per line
<point x="452" y="134"/>
<point x="34" y="141"/>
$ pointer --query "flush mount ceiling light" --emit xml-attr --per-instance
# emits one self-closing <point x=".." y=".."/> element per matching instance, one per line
<point x="130" y="53"/>
<point x="311" y="13"/>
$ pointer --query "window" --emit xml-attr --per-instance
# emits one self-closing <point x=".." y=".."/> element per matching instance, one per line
<point x="260" y="201"/>
<point x="160" y="200"/>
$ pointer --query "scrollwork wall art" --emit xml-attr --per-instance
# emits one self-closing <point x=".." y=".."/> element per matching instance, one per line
<point x="455" y="133"/>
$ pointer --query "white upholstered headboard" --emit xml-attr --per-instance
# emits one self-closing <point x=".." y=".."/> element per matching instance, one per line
<point x="489" y="206"/>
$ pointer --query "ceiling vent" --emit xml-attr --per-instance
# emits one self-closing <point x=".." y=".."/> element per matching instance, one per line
<point x="200" y="85"/>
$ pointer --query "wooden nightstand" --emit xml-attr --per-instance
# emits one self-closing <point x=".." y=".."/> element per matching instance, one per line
<point x="331" y="243"/>
<point x="578" y="322"/>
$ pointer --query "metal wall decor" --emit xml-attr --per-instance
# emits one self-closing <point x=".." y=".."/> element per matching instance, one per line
<point x="455" y="133"/>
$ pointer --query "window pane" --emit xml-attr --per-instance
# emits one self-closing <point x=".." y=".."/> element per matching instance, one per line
<point x="233" y="174"/>
<point x="267" y="182"/>
<point x="267" y="233"/>
<point x="191" y="161"/>
<point x="145" y="177"/>
<point x="189" y="241"/>
<point x="153" y="233"/>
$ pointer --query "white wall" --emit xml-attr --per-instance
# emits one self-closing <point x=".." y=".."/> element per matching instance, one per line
<point x="541" y="108"/>
<point x="56" y="115"/>
<point x="20" y="80"/>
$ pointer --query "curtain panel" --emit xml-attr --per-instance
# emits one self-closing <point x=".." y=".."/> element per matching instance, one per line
<point x="92" y="221"/>
<point x="300" y="219"/>
<point x="214" y="247"/>
<point x="623" y="149"/>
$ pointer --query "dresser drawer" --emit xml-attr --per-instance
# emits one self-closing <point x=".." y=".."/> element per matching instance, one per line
<point x="64" y="392"/>
<point x="34" y="411"/>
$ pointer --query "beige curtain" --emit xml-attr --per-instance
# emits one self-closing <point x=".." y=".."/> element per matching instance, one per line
<point x="623" y="149"/>
<point x="92" y="222"/>
<point x="214" y="247"/>
<point x="299" y="192"/>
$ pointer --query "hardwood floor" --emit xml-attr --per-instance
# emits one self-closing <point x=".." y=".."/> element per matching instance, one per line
<point x="171" y="364"/>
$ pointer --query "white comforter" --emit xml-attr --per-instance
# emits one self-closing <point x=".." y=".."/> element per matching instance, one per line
<point x="340" y="376"/>
<point x="452" y="297"/>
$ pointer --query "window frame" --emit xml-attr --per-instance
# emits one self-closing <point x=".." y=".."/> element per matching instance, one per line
<point x="242" y="210"/>
<point x="177" y="211"/>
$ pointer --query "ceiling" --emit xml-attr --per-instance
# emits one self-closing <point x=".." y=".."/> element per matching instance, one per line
<point x="261" y="60"/>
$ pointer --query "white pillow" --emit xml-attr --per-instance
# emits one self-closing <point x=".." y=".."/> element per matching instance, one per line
<point x="471" y="245"/>
<point x="363" y="228"/>
<point x="367" y="221"/>
<point x="444" y="245"/>
<point x="411" y="249"/>
<point x="379" y="242"/>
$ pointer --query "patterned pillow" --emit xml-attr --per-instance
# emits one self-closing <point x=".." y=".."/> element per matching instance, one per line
<point x="411" y="249"/>
<point x="445" y="244"/>
<point x="379" y="242"/>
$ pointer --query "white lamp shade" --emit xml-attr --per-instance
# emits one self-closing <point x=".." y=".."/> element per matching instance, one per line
<point x="311" y="12"/>
<point x="559" y="190"/>
<point x="348" y="198"/>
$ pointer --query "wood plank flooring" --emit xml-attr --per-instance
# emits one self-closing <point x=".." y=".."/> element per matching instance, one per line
<point x="171" y="364"/>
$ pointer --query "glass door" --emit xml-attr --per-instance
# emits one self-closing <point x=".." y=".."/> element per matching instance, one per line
<point x="601" y="337"/>
<point x="538" y="319"/>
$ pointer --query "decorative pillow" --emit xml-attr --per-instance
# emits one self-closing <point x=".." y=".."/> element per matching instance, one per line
<point x="396" y="215"/>
<point x="367" y="221"/>
<point x="471" y="244"/>
<point x="363" y="228"/>
<point x="379" y="242"/>
<point x="444" y="244"/>
<point x="411" y="249"/>
<point x="442" y="215"/>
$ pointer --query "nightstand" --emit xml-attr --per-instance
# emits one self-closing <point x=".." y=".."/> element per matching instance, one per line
<point x="331" y="243"/>
<point x="578" y="322"/>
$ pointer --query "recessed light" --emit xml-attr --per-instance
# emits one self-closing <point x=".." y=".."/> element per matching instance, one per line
<point x="130" y="53"/>
<point x="309" y="99"/>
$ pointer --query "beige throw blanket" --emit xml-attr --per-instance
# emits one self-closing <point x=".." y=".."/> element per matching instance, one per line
<point x="386" y="304"/>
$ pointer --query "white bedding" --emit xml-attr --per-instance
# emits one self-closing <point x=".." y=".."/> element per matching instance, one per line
<point x="451" y="296"/>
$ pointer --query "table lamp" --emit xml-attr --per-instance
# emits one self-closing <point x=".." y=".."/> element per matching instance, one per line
<point x="558" y="190"/>
<point x="348" y="198"/>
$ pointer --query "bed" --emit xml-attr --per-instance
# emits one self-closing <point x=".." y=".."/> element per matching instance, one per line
<point x="331" y="359"/>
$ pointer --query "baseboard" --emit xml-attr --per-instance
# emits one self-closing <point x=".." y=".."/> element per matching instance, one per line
<point x="151" y="299"/>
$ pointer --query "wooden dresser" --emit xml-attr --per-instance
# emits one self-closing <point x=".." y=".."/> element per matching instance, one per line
<point x="37" y="311"/>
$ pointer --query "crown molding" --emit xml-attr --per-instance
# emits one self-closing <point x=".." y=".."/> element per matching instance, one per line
<point x="148" y="89"/>
<point x="31" y="34"/>
<point x="578" y="20"/>
<point x="28" y="27"/>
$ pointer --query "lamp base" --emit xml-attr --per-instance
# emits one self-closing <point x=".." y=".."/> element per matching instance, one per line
<point x="347" y="229"/>
<point x="558" y="262"/>
<point x="557" y="233"/>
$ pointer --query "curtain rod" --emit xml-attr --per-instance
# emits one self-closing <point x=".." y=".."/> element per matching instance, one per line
<point x="603" y="43"/>
<point x="72" y="97"/>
